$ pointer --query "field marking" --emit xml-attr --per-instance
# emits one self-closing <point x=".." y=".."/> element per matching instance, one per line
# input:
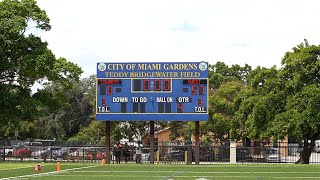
<point x="43" y="165"/>
<point x="47" y="173"/>
<point x="16" y="168"/>
<point x="24" y="167"/>
<point x="178" y="173"/>
<point x="208" y="172"/>
<point x="187" y="176"/>
<point x="125" y="171"/>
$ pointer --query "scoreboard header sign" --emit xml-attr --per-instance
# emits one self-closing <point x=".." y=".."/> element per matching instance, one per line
<point x="152" y="91"/>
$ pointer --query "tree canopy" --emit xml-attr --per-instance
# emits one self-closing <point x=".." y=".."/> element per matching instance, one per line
<point x="284" y="102"/>
<point x="26" y="60"/>
<point x="225" y="83"/>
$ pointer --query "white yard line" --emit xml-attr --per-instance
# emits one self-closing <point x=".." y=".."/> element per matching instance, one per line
<point x="125" y="171"/>
<point x="47" y="173"/>
<point x="16" y="168"/>
<point x="187" y="176"/>
<point x="203" y="172"/>
<point x="22" y="167"/>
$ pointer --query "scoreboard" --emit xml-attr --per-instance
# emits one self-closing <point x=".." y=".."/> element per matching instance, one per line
<point x="152" y="91"/>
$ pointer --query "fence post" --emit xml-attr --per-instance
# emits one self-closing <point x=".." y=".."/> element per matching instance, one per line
<point x="4" y="150"/>
<point x="50" y="151"/>
<point x="107" y="141"/>
<point x="158" y="156"/>
<point x="197" y="143"/>
<point x="151" y="142"/>
<point x="233" y="152"/>
<point x="189" y="149"/>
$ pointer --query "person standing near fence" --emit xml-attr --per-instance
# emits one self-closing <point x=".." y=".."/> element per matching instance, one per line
<point x="117" y="152"/>
<point x="138" y="153"/>
<point x="126" y="152"/>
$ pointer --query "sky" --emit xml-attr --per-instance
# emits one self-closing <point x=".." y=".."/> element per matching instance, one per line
<point x="257" y="33"/>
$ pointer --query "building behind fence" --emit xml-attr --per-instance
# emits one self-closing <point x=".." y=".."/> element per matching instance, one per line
<point x="165" y="152"/>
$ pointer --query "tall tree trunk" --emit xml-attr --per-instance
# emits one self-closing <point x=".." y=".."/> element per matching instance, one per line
<point x="305" y="156"/>
<point x="308" y="146"/>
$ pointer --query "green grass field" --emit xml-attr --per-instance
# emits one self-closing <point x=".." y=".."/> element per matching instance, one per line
<point x="94" y="171"/>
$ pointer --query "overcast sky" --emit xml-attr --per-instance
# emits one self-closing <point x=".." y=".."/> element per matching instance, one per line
<point x="256" y="32"/>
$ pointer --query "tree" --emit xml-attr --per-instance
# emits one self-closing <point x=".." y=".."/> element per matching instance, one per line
<point x="300" y="120"/>
<point x="285" y="102"/>
<point x="25" y="60"/>
<point x="301" y="70"/>
<point x="259" y="103"/>
<point x="220" y="73"/>
<point x="92" y="133"/>
<point x="78" y="110"/>
<point x="223" y="107"/>
<point x="225" y="83"/>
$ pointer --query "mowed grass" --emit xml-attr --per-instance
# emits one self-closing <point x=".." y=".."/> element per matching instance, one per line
<point x="93" y="171"/>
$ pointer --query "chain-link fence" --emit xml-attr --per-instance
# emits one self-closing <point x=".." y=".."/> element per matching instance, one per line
<point x="165" y="152"/>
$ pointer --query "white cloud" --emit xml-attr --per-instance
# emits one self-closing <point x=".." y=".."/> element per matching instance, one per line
<point x="236" y="32"/>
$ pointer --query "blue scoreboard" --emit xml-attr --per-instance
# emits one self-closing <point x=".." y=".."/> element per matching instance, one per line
<point x="152" y="91"/>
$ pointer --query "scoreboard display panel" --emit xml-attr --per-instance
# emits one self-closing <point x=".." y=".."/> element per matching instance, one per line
<point x="152" y="91"/>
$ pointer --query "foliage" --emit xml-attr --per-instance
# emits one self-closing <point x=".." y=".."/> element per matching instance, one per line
<point x="259" y="104"/>
<point x="284" y="102"/>
<point x="301" y="70"/>
<point x="78" y="110"/>
<point x="180" y="129"/>
<point x="220" y="73"/>
<point x="225" y="83"/>
<point x="26" y="60"/>
<point x="222" y="110"/>
<point x="93" y="133"/>
<point x="132" y="129"/>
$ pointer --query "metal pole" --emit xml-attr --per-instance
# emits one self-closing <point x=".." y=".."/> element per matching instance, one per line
<point x="197" y="143"/>
<point x="151" y="142"/>
<point x="4" y="150"/>
<point x="107" y="131"/>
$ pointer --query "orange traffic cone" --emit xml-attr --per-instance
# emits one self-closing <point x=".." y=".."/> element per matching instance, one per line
<point x="58" y="166"/>
<point x="103" y="162"/>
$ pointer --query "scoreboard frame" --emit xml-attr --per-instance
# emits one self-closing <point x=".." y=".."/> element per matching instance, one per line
<point x="162" y="91"/>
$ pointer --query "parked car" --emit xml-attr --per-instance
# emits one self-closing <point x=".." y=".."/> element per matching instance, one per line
<point x="27" y="143"/>
<point x="317" y="146"/>
<point x="91" y="153"/>
<point x="145" y="154"/>
<point x="51" y="153"/>
<point x="88" y="153"/>
<point x="161" y="155"/>
<point x="58" y="152"/>
<point x="176" y="154"/>
<point x="76" y="154"/>
<point x="1" y="153"/>
<point x="243" y="154"/>
<point x="295" y="148"/>
<point x="37" y="153"/>
<point x="206" y="154"/>
<point x="7" y="151"/>
<point x="22" y="151"/>
<point x="64" y="152"/>
<point x="101" y="154"/>
<point x="272" y="155"/>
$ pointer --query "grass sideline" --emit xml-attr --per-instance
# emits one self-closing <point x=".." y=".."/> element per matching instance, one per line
<point x="94" y="171"/>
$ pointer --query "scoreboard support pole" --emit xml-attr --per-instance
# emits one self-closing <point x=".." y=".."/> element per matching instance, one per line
<point x="151" y="142"/>
<point x="197" y="143"/>
<point x="107" y="131"/>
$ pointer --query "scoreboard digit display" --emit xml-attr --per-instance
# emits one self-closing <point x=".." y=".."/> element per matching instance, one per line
<point x="152" y="91"/>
